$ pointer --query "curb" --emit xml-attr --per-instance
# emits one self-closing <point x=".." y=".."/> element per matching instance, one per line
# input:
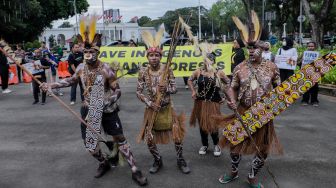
<point x="327" y="89"/>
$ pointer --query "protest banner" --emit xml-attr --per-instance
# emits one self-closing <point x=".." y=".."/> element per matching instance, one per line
<point x="309" y="56"/>
<point x="185" y="60"/>
<point x="283" y="62"/>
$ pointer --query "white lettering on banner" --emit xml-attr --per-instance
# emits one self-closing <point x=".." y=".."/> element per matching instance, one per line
<point x="309" y="56"/>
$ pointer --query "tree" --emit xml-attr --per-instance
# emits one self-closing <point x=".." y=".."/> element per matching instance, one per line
<point x="32" y="45"/>
<point x="65" y="25"/>
<point x="317" y="13"/>
<point x="144" y="20"/>
<point x="287" y="12"/>
<point x="190" y="14"/>
<point x="24" y="20"/>
<point x="252" y="5"/>
<point x="221" y="13"/>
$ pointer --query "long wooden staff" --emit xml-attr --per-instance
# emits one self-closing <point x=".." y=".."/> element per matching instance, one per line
<point x="175" y="37"/>
<point x="55" y="97"/>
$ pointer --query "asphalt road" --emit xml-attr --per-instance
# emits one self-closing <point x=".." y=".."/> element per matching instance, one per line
<point x="41" y="146"/>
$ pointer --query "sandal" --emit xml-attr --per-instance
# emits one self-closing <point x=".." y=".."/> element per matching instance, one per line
<point x="259" y="185"/>
<point x="227" y="179"/>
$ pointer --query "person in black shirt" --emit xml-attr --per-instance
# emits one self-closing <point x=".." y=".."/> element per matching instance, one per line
<point x="4" y="73"/>
<point x="74" y="59"/>
<point x="40" y="64"/>
<point x="238" y="55"/>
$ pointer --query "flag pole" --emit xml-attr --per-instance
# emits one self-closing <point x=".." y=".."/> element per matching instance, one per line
<point x="104" y="22"/>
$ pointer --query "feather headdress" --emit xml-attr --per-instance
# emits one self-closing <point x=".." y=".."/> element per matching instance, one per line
<point x="207" y="49"/>
<point x="187" y="28"/>
<point x="153" y="43"/>
<point x="249" y="34"/>
<point x="88" y="35"/>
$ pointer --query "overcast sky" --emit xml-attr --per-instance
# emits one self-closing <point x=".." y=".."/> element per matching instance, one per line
<point x="131" y="8"/>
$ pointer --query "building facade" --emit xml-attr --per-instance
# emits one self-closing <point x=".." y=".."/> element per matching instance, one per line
<point x="111" y="32"/>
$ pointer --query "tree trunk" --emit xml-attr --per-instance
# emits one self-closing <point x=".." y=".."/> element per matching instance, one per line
<point x="317" y="19"/>
<point x="321" y="34"/>
<point x="315" y="33"/>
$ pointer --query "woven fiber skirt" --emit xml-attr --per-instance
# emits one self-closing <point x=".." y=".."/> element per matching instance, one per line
<point x="265" y="138"/>
<point x="164" y="134"/>
<point x="202" y="112"/>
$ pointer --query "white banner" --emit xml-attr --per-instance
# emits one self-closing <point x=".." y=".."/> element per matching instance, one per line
<point x="31" y="67"/>
<point x="285" y="62"/>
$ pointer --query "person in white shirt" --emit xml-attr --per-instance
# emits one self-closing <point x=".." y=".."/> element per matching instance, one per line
<point x="312" y="93"/>
<point x="288" y="50"/>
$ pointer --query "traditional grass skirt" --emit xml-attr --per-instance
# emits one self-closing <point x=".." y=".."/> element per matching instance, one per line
<point x="202" y="112"/>
<point x="265" y="138"/>
<point x="175" y="132"/>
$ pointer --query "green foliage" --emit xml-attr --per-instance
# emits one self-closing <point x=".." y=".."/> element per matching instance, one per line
<point x="170" y="17"/>
<point x="28" y="45"/>
<point x="74" y="40"/>
<point x="65" y="25"/>
<point x="221" y="12"/>
<point x="144" y="20"/>
<point x="31" y="45"/>
<point x="330" y="77"/>
<point x="30" y="17"/>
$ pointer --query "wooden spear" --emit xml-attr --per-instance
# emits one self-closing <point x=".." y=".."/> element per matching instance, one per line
<point x="54" y="96"/>
<point x="163" y="81"/>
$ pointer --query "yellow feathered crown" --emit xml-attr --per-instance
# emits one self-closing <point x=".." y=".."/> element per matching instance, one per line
<point x="153" y="43"/>
<point x="250" y="35"/>
<point x="88" y="35"/>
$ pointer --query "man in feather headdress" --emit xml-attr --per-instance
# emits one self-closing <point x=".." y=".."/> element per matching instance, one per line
<point x="252" y="79"/>
<point x="100" y="107"/>
<point x="167" y="125"/>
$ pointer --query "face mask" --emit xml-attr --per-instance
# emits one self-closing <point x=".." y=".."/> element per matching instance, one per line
<point x="284" y="43"/>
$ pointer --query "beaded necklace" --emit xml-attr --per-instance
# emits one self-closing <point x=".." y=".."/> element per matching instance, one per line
<point x="90" y="77"/>
<point x="207" y="88"/>
<point x="151" y="73"/>
<point x="254" y="81"/>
